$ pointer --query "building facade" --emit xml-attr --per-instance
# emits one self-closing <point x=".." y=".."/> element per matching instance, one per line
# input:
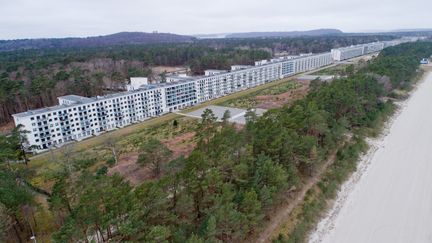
<point x="345" y="53"/>
<point x="77" y="118"/>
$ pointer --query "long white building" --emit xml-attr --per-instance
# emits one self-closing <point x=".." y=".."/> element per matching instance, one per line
<point x="349" y="52"/>
<point x="77" y="118"/>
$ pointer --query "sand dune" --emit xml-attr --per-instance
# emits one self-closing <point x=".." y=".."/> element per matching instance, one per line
<point x="389" y="198"/>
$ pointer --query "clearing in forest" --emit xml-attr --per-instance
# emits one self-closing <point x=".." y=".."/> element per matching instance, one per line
<point x="127" y="166"/>
<point x="272" y="97"/>
<point x="279" y="100"/>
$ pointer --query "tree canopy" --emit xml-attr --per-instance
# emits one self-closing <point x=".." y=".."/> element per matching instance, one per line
<point x="232" y="179"/>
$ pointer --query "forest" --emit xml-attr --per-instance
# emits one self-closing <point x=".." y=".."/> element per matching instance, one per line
<point x="221" y="192"/>
<point x="34" y="78"/>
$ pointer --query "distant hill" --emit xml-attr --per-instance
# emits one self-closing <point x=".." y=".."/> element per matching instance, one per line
<point x="121" y="38"/>
<point x="317" y="32"/>
<point x="413" y="30"/>
<point x="211" y="36"/>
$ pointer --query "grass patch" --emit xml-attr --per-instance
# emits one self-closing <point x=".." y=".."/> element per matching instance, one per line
<point x="42" y="170"/>
<point x="335" y="70"/>
<point x="161" y="131"/>
<point x="249" y="101"/>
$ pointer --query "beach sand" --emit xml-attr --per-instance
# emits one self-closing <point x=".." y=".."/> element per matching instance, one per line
<point x="389" y="197"/>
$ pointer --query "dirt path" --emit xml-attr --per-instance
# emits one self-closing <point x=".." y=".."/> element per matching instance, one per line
<point x="284" y="212"/>
<point x="181" y="145"/>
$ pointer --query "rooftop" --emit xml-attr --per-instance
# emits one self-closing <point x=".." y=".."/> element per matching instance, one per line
<point x="76" y="98"/>
<point x="41" y="110"/>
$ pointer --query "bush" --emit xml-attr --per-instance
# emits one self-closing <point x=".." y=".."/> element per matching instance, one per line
<point x="82" y="164"/>
<point x="111" y="162"/>
<point x="102" y="170"/>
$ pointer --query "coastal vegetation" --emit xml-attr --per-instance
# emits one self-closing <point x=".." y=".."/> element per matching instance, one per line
<point x="226" y="187"/>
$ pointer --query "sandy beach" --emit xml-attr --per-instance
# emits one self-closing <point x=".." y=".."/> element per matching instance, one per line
<point x="389" y="198"/>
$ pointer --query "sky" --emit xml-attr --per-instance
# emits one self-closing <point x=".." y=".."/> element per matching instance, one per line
<point x="80" y="18"/>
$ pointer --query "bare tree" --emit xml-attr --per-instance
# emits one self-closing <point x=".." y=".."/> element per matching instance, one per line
<point x="111" y="145"/>
<point x="67" y="151"/>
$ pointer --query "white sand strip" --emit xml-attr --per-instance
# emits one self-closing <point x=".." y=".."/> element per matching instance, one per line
<point x="389" y="198"/>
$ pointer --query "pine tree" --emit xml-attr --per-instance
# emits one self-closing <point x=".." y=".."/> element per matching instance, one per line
<point x="155" y="154"/>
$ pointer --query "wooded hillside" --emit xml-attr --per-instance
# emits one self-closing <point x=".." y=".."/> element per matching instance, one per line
<point x="121" y="38"/>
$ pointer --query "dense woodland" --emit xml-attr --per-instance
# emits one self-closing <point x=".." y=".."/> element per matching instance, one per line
<point x="225" y="188"/>
<point x="120" y="38"/>
<point x="35" y="78"/>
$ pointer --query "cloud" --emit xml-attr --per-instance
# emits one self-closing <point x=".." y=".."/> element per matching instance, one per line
<point x="61" y="18"/>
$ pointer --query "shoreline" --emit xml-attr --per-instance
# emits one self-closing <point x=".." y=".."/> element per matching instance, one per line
<point x="328" y="222"/>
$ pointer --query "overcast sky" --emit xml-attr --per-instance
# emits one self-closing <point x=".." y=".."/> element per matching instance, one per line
<point x="63" y="18"/>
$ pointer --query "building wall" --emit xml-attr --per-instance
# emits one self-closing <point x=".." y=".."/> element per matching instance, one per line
<point x="307" y="63"/>
<point x="347" y="53"/>
<point x="54" y="126"/>
<point x="179" y="96"/>
<point x="210" y="87"/>
<point x="66" y="123"/>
